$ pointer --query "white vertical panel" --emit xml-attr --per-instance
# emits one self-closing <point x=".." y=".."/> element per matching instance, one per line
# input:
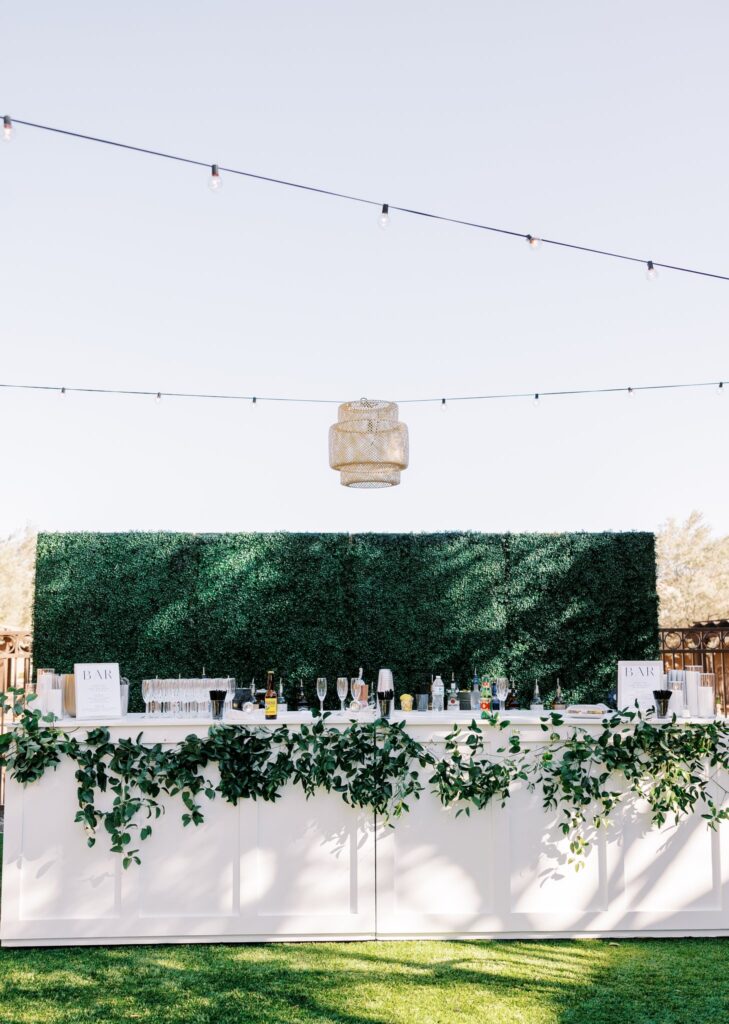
<point x="307" y="869"/>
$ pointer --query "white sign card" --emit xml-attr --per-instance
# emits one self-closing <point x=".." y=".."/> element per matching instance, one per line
<point x="636" y="682"/>
<point x="98" y="691"/>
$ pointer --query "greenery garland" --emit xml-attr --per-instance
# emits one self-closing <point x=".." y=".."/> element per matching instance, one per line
<point x="675" y="767"/>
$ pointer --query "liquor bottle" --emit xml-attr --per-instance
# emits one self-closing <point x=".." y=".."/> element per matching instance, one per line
<point x="537" y="703"/>
<point x="438" y="693"/>
<point x="475" y="692"/>
<point x="302" y="703"/>
<point x="485" y="701"/>
<point x="271" y="700"/>
<point x="366" y="699"/>
<point x="453" y="703"/>
<point x="558" y="703"/>
<point x="282" y="705"/>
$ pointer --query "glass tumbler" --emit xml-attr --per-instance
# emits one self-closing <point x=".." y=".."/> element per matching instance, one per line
<point x="707" y="695"/>
<point x="217" y="699"/>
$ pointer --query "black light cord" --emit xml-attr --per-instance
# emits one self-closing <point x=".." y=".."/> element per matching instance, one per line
<point x="651" y="264"/>
<point x="536" y="395"/>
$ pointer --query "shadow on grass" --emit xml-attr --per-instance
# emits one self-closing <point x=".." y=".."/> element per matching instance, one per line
<point x="656" y="981"/>
<point x="342" y="983"/>
<point x="587" y="982"/>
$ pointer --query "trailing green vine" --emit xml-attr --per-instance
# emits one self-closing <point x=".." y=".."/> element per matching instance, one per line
<point x="581" y="775"/>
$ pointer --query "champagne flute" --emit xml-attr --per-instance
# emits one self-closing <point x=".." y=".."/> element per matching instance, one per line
<point x="321" y="692"/>
<point x="342" y="690"/>
<point x="502" y="692"/>
<point x="356" y="688"/>
<point x="147" y="693"/>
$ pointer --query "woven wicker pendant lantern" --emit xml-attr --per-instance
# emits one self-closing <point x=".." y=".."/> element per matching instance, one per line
<point x="368" y="445"/>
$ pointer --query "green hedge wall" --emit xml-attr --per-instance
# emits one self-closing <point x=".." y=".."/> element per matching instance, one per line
<point x="524" y="605"/>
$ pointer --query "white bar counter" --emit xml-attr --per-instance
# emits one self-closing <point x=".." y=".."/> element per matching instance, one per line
<point x="318" y="869"/>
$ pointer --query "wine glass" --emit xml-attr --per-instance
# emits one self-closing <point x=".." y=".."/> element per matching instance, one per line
<point x="342" y="690"/>
<point x="166" y="686"/>
<point x="177" y="697"/>
<point x="321" y="692"/>
<point x="147" y="694"/>
<point x="229" y="687"/>
<point x="502" y="692"/>
<point x="356" y="688"/>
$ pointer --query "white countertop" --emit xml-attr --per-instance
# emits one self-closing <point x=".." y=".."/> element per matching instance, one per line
<point x="412" y="718"/>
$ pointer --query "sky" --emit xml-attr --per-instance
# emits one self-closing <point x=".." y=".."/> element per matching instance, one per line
<point x="602" y="124"/>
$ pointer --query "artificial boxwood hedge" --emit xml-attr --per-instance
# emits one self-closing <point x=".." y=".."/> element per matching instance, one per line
<point x="530" y="606"/>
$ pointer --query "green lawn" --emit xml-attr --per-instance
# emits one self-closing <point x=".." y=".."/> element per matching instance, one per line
<point x="629" y="982"/>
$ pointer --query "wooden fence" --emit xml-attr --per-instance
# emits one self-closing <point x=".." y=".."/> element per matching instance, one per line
<point x="16" y="669"/>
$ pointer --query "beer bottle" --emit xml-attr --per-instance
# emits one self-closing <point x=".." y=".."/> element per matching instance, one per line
<point x="270" y="700"/>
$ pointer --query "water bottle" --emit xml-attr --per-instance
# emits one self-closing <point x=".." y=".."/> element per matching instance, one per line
<point x="438" y="694"/>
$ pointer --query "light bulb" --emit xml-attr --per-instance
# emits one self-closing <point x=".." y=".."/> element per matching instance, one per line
<point x="63" y="392"/>
<point x="7" y="128"/>
<point x="384" y="219"/>
<point x="443" y="405"/>
<point x="159" y="397"/>
<point x="533" y="241"/>
<point x="215" y="182"/>
<point x="651" y="273"/>
<point x="720" y="389"/>
<point x="536" y="398"/>
<point x="631" y="393"/>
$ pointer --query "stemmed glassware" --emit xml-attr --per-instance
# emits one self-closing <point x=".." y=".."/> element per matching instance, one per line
<point x="183" y="698"/>
<point x="321" y="692"/>
<point x="502" y="692"/>
<point x="147" y="694"/>
<point x="356" y="688"/>
<point x="342" y="690"/>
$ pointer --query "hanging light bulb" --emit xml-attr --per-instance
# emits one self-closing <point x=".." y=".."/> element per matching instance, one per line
<point x="443" y="405"/>
<point x="535" y="400"/>
<point x="631" y="393"/>
<point x="159" y="397"/>
<point x="533" y="241"/>
<point x="384" y="219"/>
<point x="720" y="389"/>
<point x="7" y="128"/>
<point x="215" y="183"/>
<point x="651" y="273"/>
<point x="63" y="392"/>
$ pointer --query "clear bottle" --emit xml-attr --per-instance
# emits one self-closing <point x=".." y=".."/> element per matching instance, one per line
<point x="438" y="693"/>
<point x="282" y="705"/>
<point x="537" y="703"/>
<point x="302" y="703"/>
<point x="453" y="704"/>
<point x="558" y="703"/>
<point x="475" y="692"/>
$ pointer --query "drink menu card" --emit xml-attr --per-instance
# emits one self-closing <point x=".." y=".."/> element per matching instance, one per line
<point x="636" y="682"/>
<point x="98" y="691"/>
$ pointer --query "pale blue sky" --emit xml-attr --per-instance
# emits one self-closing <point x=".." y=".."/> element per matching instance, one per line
<point x="601" y="123"/>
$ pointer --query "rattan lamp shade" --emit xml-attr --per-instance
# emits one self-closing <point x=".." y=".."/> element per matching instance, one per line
<point x="368" y="445"/>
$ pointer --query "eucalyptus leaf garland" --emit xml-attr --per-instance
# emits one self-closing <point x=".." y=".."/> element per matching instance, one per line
<point x="676" y="767"/>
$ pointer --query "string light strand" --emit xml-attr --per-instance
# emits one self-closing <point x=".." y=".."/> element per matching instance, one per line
<point x="385" y="210"/>
<point x="535" y="396"/>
